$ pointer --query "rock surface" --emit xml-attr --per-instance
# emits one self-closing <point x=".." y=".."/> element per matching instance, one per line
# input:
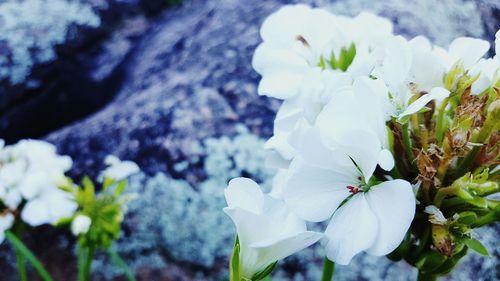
<point x="189" y="78"/>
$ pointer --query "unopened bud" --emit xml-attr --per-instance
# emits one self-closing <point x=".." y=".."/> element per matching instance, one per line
<point x="441" y="239"/>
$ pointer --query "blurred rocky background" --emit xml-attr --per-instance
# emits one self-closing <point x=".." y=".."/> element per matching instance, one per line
<point x="170" y="86"/>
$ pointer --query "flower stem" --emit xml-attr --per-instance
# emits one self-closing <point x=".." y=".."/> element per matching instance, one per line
<point x="440" y="121"/>
<point x="426" y="277"/>
<point x="407" y="144"/>
<point x="442" y="193"/>
<point x="328" y="269"/>
<point x="21" y="266"/>
<point x="85" y="257"/>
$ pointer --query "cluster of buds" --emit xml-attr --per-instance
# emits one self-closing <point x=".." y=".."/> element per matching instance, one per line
<point x="393" y="142"/>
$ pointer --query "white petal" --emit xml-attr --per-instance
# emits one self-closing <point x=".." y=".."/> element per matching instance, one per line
<point x="36" y="213"/>
<point x="468" y="50"/>
<point x="386" y="161"/>
<point x="363" y="147"/>
<point x="353" y="229"/>
<point x="314" y="193"/>
<point x="271" y="250"/>
<point x="279" y="183"/>
<point x="393" y="203"/>
<point x="437" y="93"/>
<point x="280" y="85"/>
<point x="282" y="27"/>
<point x="60" y="204"/>
<point x="314" y="150"/>
<point x="245" y="194"/>
<point x="268" y="59"/>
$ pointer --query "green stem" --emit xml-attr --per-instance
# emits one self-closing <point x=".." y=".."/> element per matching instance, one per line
<point x="442" y="193"/>
<point x="490" y="125"/>
<point x="426" y="277"/>
<point x="486" y="219"/>
<point x="21" y="266"/>
<point x="121" y="263"/>
<point x="88" y="264"/>
<point x="27" y="255"/>
<point x="440" y="121"/>
<point x="407" y="144"/>
<point x="328" y="269"/>
<point x="85" y="257"/>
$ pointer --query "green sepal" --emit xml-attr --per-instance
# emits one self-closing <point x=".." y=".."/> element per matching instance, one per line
<point x="430" y="261"/>
<point x="477" y="246"/>
<point x="264" y="273"/>
<point x="450" y="263"/>
<point x="234" y="265"/>
<point x="467" y="217"/>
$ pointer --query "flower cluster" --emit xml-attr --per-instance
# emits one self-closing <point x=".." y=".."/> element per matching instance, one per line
<point x="392" y="141"/>
<point x="35" y="191"/>
<point x="30" y="175"/>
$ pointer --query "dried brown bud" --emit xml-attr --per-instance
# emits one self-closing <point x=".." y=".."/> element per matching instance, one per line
<point x="458" y="140"/>
<point x="490" y="153"/>
<point x="427" y="163"/>
<point x="471" y="106"/>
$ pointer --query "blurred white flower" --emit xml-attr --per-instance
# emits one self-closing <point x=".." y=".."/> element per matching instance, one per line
<point x="465" y="50"/>
<point x="32" y="170"/>
<point x="267" y="230"/>
<point x="117" y="169"/>
<point x="6" y="222"/>
<point x="49" y="206"/>
<point x="80" y="225"/>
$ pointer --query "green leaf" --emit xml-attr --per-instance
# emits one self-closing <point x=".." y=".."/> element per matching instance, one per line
<point x="116" y="259"/>
<point x="19" y="245"/>
<point x="475" y="245"/>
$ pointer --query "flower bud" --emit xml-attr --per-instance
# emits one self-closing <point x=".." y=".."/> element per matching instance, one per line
<point x="442" y="240"/>
<point x="80" y="225"/>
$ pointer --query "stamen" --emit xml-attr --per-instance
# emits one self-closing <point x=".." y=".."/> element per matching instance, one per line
<point x="353" y="189"/>
<point x="302" y="40"/>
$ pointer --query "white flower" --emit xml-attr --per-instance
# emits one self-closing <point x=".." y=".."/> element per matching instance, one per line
<point x="117" y="169"/>
<point x="465" y="50"/>
<point x="374" y="218"/>
<point x="362" y="107"/>
<point x="267" y="230"/>
<point x="293" y="43"/>
<point x="425" y="74"/>
<point x="304" y="109"/>
<point x="80" y="225"/>
<point x="487" y="69"/>
<point x="6" y="222"/>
